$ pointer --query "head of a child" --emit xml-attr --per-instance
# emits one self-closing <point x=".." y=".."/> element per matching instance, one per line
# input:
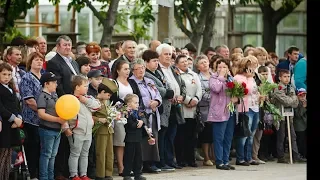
<point x="5" y="73"/>
<point x="106" y="89"/>
<point x="79" y="85"/>
<point x="84" y="64"/>
<point x="48" y="81"/>
<point x="132" y="101"/>
<point x="284" y="76"/>
<point x="263" y="72"/>
<point x="95" y="78"/>
<point x="302" y="94"/>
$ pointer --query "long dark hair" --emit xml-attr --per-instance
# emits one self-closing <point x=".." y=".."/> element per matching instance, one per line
<point x="118" y="67"/>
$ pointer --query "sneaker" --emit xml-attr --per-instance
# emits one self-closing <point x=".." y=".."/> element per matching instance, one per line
<point x="76" y="178"/>
<point x="230" y="167"/>
<point x="222" y="167"/>
<point x="154" y="169"/>
<point x="140" y="178"/>
<point x="207" y="163"/>
<point x="167" y="168"/>
<point x="84" y="178"/>
<point x="127" y="178"/>
<point x="108" y="178"/>
<point x="260" y="161"/>
<point x="299" y="160"/>
<point x="174" y="165"/>
<point x="253" y="162"/>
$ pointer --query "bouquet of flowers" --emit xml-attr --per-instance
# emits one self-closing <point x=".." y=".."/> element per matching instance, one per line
<point x="117" y="111"/>
<point x="265" y="88"/>
<point x="235" y="89"/>
<point x="275" y="112"/>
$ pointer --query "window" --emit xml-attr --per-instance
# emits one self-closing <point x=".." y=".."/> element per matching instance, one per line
<point x="65" y="21"/>
<point x="291" y="21"/>
<point x="286" y="41"/>
<point x="83" y="27"/>
<point x="47" y="18"/>
<point x="238" y="22"/>
<point x="251" y="22"/>
<point x="304" y="24"/>
<point x="255" y="40"/>
<point x="97" y="29"/>
<point x="32" y="18"/>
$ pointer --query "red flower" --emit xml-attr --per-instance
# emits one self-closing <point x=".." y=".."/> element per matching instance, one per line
<point x="230" y="85"/>
<point x="280" y="87"/>
<point x="246" y="91"/>
<point x="243" y="85"/>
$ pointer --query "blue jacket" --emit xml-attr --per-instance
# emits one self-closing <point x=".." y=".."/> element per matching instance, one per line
<point x="300" y="74"/>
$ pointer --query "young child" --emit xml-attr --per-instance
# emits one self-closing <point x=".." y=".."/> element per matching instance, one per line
<point x="95" y="78"/>
<point x="49" y="127"/>
<point x="84" y="65"/>
<point x="80" y="131"/>
<point x="285" y="95"/>
<point x="11" y="119"/>
<point x="300" y="122"/>
<point x="134" y="130"/>
<point x="104" y="135"/>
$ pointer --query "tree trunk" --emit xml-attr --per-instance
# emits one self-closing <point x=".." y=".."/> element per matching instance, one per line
<point x="269" y="35"/>
<point x="195" y="38"/>
<point x="209" y="26"/>
<point x="109" y="22"/>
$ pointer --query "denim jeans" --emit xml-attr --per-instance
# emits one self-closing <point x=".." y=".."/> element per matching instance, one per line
<point x="222" y="139"/>
<point x="169" y="142"/>
<point x="161" y="145"/>
<point x="49" y="143"/>
<point x="244" y="144"/>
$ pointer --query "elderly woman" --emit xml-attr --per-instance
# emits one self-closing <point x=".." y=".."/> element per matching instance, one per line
<point x="151" y="100"/>
<point x="30" y="89"/>
<point x="223" y="121"/>
<point x="205" y="137"/>
<point x="185" y="141"/>
<point x="93" y="51"/>
<point x="152" y="62"/>
<point x="245" y="74"/>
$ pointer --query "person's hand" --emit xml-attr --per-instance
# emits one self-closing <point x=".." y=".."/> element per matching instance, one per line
<point x="68" y="132"/>
<point x="102" y="120"/>
<point x="0" y="126"/>
<point x="154" y="104"/>
<point x="234" y="99"/>
<point x="82" y="99"/>
<point x="17" y="121"/>
<point x="152" y="141"/>
<point x="14" y="125"/>
<point x="179" y="99"/>
<point x="193" y="103"/>
<point x="140" y="123"/>
<point x="61" y="121"/>
<point x="250" y="72"/>
<point x="223" y="72"/>
<point x="262" y="98"/>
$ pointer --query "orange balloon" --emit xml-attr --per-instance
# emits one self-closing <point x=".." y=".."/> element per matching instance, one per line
<point x="67" y="107"/>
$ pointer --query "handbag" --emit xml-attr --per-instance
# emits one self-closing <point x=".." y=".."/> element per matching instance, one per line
<point x="242" y="128"/>
<point x="199" y="123"/>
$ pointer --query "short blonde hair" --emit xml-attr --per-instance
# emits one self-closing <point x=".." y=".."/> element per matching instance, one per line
<point x="236" y="56"/>
<point x="253" y="59"/>
<point x="245" y="53"/>
<point x="243" y="65"/>
<point x="260" y="51"/>
<point x="128" y="98"/>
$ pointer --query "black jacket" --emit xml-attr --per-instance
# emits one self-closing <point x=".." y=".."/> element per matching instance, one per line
<point x="60" y="68"/>
<point x="9" y="105"/>
<point x="134" y="134"/>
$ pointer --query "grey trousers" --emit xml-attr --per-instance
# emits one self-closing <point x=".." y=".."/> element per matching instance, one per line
<point x="79" y="152"/>
<point x="281" y="137"/>
<point x="256" y="143"/>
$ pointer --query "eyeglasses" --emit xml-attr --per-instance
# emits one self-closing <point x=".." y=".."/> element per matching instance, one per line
<point x="139" y="68"/>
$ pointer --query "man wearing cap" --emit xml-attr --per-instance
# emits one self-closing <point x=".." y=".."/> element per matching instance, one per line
<point x="104" y="135"/>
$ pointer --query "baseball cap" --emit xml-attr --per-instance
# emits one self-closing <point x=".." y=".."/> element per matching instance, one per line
<point x="301" y="91"/>
<point x="47" y="77"/>
<point x="95" y="73"/>
<point x="108" y="85"/>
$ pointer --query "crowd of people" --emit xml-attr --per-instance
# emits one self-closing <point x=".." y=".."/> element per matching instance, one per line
<point x="176" y="104"/>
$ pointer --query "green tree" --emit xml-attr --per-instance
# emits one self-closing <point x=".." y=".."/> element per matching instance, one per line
<point x="201" y="16"/>
<point x="271" y="18"/>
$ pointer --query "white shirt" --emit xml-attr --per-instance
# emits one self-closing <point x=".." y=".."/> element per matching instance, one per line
<point x="173" y="84"/>
<point x="124" y="90"/>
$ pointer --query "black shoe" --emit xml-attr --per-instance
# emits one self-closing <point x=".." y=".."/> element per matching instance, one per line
<point x="299" y="160"/>
<point x="230" y="167"/>
<point x="182" y="164"/>
<point x="140" y="178"/>
<point x="242" y="163"/>
<point x="174" y="165"/>
<point x="253" y="162"/>
<point x="193" y="164"/>
<point x="282" y="160"/>
<point x="222" y="167"/>
<point x="131" y="174"/>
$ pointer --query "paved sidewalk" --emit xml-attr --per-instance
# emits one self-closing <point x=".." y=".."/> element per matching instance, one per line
<point x="268" y="171"/>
